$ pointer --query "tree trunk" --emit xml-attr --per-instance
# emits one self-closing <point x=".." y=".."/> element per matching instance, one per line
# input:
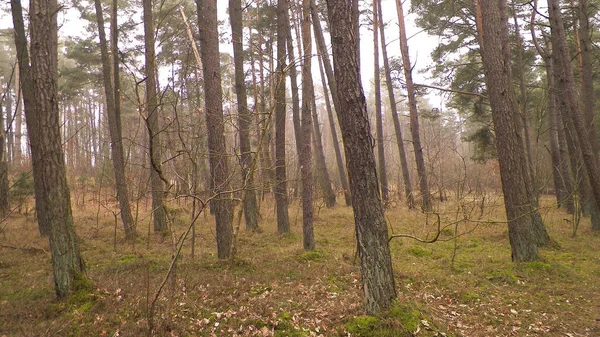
<point x="280" y="188"/>
<point x="64" y="246"/>
<point x="152" y="123"/>
<point x="17" y="153"/>
<point x="31" y="116"/>
<point x="219" y="174"/>
<point x="563" y="184"/>
<point x="378" y="116"/>
<point x="371" y="227"/>
<point x="414" y="116"/>
<point x="335" y="142"/>
<point x="573" y="115"/>
<point x="326" y="64"/>
<point x="295" y="94"/>
<point x="397" y="128"/>
<point x="322" y="172"/>
<point x="114" y="128"/>
<point x="521" y="211"/>
<point x="306" y="158"/>
<point x="244" y="115"/>
<point x="4" y="207"/>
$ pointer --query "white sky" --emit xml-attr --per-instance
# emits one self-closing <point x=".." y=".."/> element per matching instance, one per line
<point x="420" y="44"/>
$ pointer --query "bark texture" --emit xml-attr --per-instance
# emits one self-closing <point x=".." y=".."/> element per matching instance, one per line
<point x="280" y="188"/>
<point x="371" y="228"/>
<point x="410" y="201"/>
<point x="426" y="205"/>
<point x="244" y="116"/>
<point x="152" y="112"/>
<point x="213" y="93"/>
<point x="114" y="128"/>
<point x="306" y="154"/>
<point x="523" y="217"/>
<point x="64" y="246"/>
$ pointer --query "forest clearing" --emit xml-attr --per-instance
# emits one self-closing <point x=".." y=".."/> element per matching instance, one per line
<point x="461" y="285"/>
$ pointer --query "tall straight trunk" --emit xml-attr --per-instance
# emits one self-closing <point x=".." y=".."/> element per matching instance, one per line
<point x="213" y="92"/>
<point x="152" y="123"/>
<point x="114" y="128"/>
<point x="573" y="115"/>
<point x="523" y="106"/>
<point x="280" y="188"/>
<point x="397" y="128"/>
<point x="326" y="64"/>
<point x="414" y="116"/>
<point x="560" y="166"/>
<point x="334" y="137"/>
<point x="371" y="228"/>
<point x="31" y="115"/>
<point x="383" y="183"/>
<point x="244" y="115"/>
<point x="4" y="207"/>
<point x="295" y="94"/>
<point x="523" y="217"/>
<point x="17" y="153"/>
<point x="67" y="262"/>
<point x="306" y="158"/>
<point x="322" y="171"/>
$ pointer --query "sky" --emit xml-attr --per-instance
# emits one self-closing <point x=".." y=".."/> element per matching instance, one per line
<point x="420" y="43"/>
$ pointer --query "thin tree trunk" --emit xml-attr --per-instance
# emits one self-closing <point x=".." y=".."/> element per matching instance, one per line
<point x="67" y="263"/>
<point x="322" y="171"/>
<point x="306" y="158"/>
<point x="397" y="127"/>
<point x="383" y="183"/>
<point x="152" y="123"/>
<point x="414" y="117"/>
<point x="209" y="42"/>
<point x="371" y="228"/>
<point x="295" y="94"/>
<point x="4" y="207"/>
<point x="334" y="137"/>
<point x="18" y="117"/>
<point x="280" y="188"/>
<point x="114" y="128"/>
<point x="326" y="64"/>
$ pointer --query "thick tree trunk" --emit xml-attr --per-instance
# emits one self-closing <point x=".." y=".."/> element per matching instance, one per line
<point x="306" y="157"/>
<point x="31" y="116"/>
<point x="414" y="116"/>
<point x="371" y="227"/>
<point x="573" y="115"/>
<point x="213" y="93"/>
<point x="280" y="188"/>
<point x="397" y="127"/>
<point x="114" y="128"/>
<point x="383" y="183"/>
<point x="521" y="211"/>
<point x="244" y="115"/>
<point x="64" y="245"/>
<point x="336" y="145"/>
<point x="152" y="124"/>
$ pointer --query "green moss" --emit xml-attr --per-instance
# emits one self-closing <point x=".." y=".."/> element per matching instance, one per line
<point x="407" y="315"/>
<point x="419" y="251"/>
<point x="469" y="297"/>
<point x="127" y="258"/>
<point x="312" y="255"/>
<point x="363" y="325"/>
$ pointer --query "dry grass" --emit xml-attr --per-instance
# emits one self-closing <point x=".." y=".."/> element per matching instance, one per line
<point x="463" y="287"/>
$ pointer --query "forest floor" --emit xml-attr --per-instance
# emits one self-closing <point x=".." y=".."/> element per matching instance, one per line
<point x="460" y="285"/>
